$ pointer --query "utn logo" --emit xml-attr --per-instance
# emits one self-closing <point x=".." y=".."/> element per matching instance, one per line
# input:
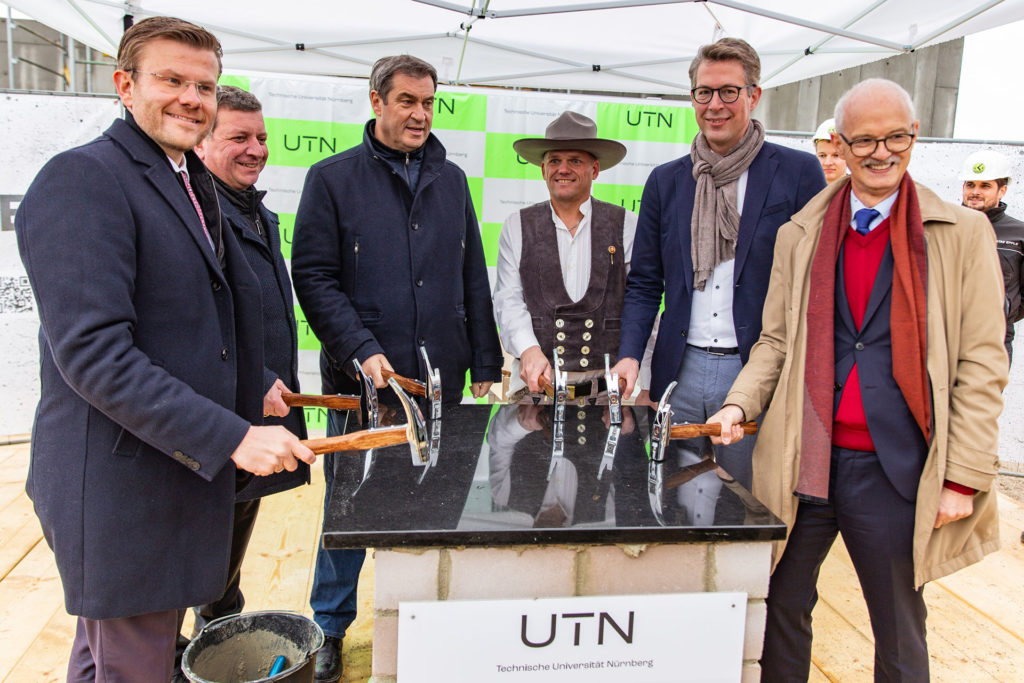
<point x="650" y="119"/>
<point x="581" y="624"/>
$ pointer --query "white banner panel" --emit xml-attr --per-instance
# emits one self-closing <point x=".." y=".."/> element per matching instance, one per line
<point x="636" y="638"/>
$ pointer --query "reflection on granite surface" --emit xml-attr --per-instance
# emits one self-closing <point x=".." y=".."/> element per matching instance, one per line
<point x="510" y="474"/>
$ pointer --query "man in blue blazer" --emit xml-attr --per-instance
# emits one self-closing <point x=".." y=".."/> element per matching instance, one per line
<point x="705" y="238"/>
<point x="151" y="362"/>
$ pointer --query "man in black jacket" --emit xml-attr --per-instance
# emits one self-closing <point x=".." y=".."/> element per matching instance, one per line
<point x="986" y="177"/>
<point x="150" y="362"/>
<point x="236" y="152"/>
<point x="388" y="258"/>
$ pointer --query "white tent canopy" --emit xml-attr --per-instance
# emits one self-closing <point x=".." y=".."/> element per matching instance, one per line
<point x="636" y="46"/>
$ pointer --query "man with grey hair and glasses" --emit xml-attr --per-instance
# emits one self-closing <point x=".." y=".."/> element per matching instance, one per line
<point x="388" y="259"/>
<point x="881" y="364"/>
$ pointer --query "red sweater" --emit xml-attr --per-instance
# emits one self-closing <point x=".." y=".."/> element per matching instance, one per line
<point x="862" y="255"/>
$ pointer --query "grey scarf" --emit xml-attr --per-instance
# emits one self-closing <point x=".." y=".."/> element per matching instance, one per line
<point x="716" y="222"/>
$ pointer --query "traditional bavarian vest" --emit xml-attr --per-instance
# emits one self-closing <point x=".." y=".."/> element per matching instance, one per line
<point x="585" y="330"/>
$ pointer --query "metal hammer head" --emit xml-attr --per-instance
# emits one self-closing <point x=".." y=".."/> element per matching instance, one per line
<point x="369" y="395"/>
<point x="662" y="425"/>
<point x="415" y="427"/>
<point x="433" y="385"/>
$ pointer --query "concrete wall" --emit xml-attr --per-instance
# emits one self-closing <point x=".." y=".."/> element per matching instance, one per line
<point x="931" y="76"/>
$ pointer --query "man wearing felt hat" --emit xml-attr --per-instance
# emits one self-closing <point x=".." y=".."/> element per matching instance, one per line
<point x="562" y="263"/>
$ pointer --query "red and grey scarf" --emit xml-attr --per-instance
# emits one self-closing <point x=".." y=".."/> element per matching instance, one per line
<point x="908" y="331"/>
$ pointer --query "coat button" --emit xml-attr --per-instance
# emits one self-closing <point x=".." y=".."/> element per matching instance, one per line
<point x="415" y="226"/>
<point x="838" y="386"/>
<point x="193" y="465"/>
<point x="559" y="323"/>
<point x="588" y="323"/>
<point x="586" y="336"/>
<point x="859" y="346"/>
<point x="560" y="336"/>
<point x="421" y="341"/>
<point x="177" y="455"/>
<point x="215" y="285"/>
<point x="419" y="282"/>
<point x="585" y="350"/>
<point x="584" y="362"/>
<point x="224" y="353"/>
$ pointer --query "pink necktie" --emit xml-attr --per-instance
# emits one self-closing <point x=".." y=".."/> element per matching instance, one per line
<point x="199" y="210"/>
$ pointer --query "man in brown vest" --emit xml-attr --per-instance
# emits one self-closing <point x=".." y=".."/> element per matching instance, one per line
<point x="562" y="263"/>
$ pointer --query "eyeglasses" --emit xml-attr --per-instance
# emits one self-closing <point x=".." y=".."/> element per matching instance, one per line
<point x="173" y="85"/>
<point x="727" y="93"/>
<point x="865" y="147"/>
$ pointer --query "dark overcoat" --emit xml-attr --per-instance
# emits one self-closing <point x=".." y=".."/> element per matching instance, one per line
<point x="779" y="182"/>
<point x="151" y="374"/>
<point x="381" y="269"/>
<point x="280" y="348"/>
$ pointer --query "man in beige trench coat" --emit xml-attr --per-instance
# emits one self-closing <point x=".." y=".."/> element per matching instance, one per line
<point x="881" y="356"/>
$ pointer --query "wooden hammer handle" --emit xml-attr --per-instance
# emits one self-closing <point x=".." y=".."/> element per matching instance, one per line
<point x="715" y="429"/>
<point x="319" y="401"/>
<point x="409" y="385"/>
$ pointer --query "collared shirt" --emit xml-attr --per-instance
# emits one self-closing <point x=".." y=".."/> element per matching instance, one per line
<point x="884" y="208"/>
<point x="182" y="168"/>
<point x="711" y="322"/>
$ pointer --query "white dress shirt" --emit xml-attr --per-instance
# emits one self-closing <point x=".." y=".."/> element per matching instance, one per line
<point x="884" y="208"/>
<point x="711" y="322"/>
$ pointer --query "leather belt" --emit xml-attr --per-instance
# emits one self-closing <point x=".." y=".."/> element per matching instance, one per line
<point x="718" y="350"/>
<point x="584" y="389"/>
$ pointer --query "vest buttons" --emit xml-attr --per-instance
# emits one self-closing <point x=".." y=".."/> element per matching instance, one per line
<point x="559" y="323"/>
<point x="859" y="346"/>
<point x="560" y="336"/>
<point x="582" y="440"/>
<point x="586" y="336"/>
<point x="581" y="428"/>
<point x="581" y="415"/>
<point x="588" y="323"/>
<point x="585" y="350"/>
<point x="583" y="362"/>
<point x="560" y="349"/>
<point x="561" y="362"/>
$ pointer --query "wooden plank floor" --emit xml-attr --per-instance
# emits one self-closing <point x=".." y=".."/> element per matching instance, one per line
<point x="975" y="624"/>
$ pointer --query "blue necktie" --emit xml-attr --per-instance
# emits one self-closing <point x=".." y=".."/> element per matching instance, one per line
<point x="864" y="218"/>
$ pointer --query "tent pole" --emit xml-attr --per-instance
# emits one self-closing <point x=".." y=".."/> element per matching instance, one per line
<point x="814" y="48"/>
<point x="956" y="22"/>
<point x="10" y="49"/>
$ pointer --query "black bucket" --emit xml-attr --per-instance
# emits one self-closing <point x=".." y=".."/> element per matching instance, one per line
<point x="242" y="649"/>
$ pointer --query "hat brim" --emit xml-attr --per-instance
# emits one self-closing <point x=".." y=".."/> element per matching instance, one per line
<point x="607" y="152"/>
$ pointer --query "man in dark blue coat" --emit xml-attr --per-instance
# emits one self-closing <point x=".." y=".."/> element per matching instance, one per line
<point x="151" y="362"/>
<point x="704" y="239"/>
<point x="388" y="258"/>
<point x="235" y="152"/>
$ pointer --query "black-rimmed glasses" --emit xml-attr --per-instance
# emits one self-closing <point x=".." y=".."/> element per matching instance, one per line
<point x="865" y="147"/>
<point x="727" y="93"/>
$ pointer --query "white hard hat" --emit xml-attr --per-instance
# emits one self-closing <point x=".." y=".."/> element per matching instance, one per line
<point x="825" y="130"/>
<point x="985" y="165"/>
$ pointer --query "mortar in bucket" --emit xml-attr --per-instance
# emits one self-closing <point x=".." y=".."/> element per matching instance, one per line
<point x="242" y="649"/>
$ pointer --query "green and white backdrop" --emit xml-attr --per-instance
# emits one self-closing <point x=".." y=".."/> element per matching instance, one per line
<point x="310" y="119"/>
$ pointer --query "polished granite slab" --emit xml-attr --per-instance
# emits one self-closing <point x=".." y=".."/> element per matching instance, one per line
<point x="512" y="475"/>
